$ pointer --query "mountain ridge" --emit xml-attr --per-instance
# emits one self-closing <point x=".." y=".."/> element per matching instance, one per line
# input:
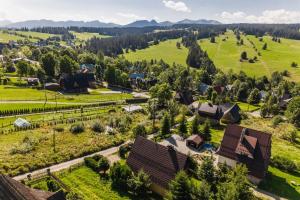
<point x="96" y="23"/>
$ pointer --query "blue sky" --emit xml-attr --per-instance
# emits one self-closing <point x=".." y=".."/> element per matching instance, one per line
<point x="125" y="11"/>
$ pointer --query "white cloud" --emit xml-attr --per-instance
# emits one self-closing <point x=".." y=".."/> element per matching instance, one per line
<point x="267" y="16"/>
<point x="177" y="6"/>
<point x="130" y="16"/>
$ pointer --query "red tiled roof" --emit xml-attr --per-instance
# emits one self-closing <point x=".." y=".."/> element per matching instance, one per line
<point x="159" y="162"/>
<point x="254" y="144"/>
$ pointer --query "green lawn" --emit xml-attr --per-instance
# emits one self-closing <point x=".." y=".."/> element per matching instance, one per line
<point x="89" y="184"/>
<point x="86" y="36"/>
<point x="36" y="34"/>
<point x="248" y="107"/>
<point x="166" y="50"/>
<point x="278" y="56"/>
<point x="279" y="183"/>
<point x="10" y="93"/>
<point x="5" y="38"/>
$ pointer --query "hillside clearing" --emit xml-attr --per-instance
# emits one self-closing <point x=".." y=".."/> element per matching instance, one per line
<point x="166" y="50"/>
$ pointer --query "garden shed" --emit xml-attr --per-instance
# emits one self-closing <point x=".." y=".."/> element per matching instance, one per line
<point x="133" y="108"/>
<point x="21" y="123"/>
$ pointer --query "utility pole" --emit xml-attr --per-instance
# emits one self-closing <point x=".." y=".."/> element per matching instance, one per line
<point x="54" y="144"/>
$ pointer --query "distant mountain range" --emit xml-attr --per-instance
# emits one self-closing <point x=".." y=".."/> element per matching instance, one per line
<point x="139" y="23"/>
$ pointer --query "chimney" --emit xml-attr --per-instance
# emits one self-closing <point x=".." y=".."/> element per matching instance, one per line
<point x="171" y="148"/>
<point x="244" y="132"/>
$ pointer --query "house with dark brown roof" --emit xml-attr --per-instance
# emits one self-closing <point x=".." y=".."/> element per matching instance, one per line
<point x="210" y="111"/>
<point x="231" y="113"/>
<point x="246" y="146"/>
<point x="11" y="189"/>
<point x="226" y="113"/>
<point x="194" y="141"/>
<point x="161" y="163"/>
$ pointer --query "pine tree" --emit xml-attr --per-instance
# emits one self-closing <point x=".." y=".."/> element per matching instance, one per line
<point x="195" y="125"/>
<point x="183" y="127"/>
<point x="207" y="170"/>
<point x="201" y="192"/>
<point x="139" y="185"/>
<point x="165" y="128"/>
<point x="206" y="130"/>
<point x="180" y="188"/>
<point x="265" y="46"/>
<point x="237" y="185"/>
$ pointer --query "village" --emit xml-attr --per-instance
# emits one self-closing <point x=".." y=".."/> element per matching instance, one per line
<point x="80" y="120"/>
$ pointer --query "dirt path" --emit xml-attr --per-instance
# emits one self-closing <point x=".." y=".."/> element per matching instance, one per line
<point x="66" y="165"/>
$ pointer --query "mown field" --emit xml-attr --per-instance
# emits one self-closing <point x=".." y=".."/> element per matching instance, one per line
<point x="36" y="34"/>
<point x="86" y="35"/>
<point x="5" y="38"/>
<point x="166" y="50"/>
<point x="226" y="54"/>
<point x="13" y="93"/>
<point x="278" y="56"/>
<point x="89" y="185"/>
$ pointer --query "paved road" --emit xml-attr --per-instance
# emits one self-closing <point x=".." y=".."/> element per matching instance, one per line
<point x="66" y="165"/>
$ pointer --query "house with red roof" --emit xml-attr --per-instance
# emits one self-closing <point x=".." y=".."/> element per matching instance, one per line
<point x="246" y="146"/>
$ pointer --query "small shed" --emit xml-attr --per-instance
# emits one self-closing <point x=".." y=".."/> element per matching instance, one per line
<point x="21" y="123"/>
<point x="133" y="108"/>
<point x="194" y="141"/>
<point x="52" y="86"/>
<point x="33" y="81"/>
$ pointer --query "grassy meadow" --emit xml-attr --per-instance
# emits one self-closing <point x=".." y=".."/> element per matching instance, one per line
<point x="226" y="54"/>
<point x="5" y="37"/>
<point x="14" y="93"/>
<point x="166" y="50"/>
<point x="68" y="145"/>
<point x="36" y="34"/>
<point x="86" y="36"/>
<point x="277" y="57"/>
<point x="89" y="185"/>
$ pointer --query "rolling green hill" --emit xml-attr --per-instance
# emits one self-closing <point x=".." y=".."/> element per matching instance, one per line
<point x="277" y="57"/>
<point x="226" y="54"/>
<point x="166" y="50"/>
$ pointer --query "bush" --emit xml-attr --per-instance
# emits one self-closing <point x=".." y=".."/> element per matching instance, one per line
<point x="120" y="174"/>
<point x="73" y="196"/>
<point x="103" y="164"/>
<point x="91" y="163"/>
<point x="277" y="120"/>
<point x="59" y="129"/>
<point x="139" y="130"/>
<point x="98" y="127"/>
<point x="52" y="185"/>
<point x="124" y="149"/>
<point x="77" y="128"/>
<point x="27" y="145"/>
<point x="284" y="164"/>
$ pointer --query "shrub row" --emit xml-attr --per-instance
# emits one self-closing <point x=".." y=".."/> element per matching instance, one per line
<point x="284" y="164"/>
<point x="49" y="109"/>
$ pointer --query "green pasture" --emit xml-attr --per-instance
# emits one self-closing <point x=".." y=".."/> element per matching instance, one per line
<point x="5" y="37"/>
<point x="39" y="35"/>
<point x="89" y="185"/>
<point x="166" y="50"/>
<point x="278" y="57"/>
<point x="86" y="36"/>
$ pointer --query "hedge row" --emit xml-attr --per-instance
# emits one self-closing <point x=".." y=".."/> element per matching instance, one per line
<point x="50" y="109"/>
